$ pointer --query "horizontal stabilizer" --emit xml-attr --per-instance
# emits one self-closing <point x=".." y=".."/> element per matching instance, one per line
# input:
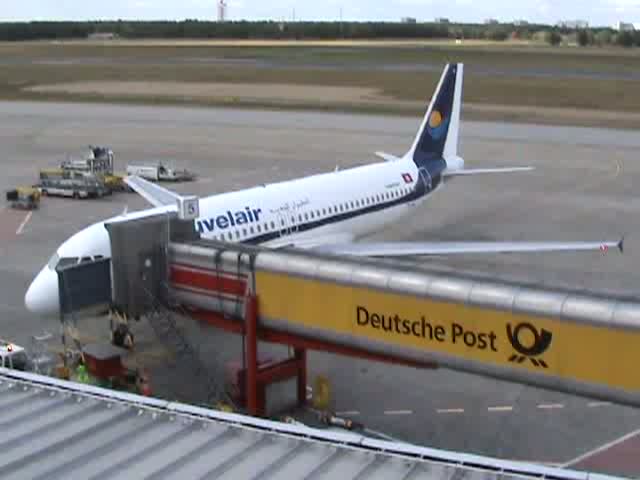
<point x="154" y="194"/>
<point x="387" y="157"/>
<point x="482" y="171"/>
<point x="400" y="249"/>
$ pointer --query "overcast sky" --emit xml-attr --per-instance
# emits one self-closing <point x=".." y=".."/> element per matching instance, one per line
<point x="597" y="12"/>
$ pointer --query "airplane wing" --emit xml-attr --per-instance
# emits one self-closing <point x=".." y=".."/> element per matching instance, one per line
<point x="481" y="171"/>
<point x="154" y="194"/>
<point x="401" y="249"/>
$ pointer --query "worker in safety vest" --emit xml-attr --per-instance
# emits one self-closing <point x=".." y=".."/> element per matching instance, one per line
<point x="82" y="376"/>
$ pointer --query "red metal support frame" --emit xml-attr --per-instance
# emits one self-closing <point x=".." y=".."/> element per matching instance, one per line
<point x="297" y="341"/>
<point x="301" y="359"/>
<point x="256" y="378"/>
<point x="251" y="353"/>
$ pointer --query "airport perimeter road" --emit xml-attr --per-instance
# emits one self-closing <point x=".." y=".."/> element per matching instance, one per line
<point x="582" y="189"/>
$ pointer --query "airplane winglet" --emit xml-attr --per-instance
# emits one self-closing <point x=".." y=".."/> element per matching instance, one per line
<point x="621" y="244"/>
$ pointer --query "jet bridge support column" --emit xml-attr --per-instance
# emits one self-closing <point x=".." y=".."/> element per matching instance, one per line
<point x="258" y="378"/>
<point x="251" y="353"/>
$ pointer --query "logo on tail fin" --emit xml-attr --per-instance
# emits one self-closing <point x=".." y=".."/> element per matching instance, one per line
<point x="435" y="120"/>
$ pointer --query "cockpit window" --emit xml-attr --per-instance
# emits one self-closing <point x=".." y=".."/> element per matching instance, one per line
<point x="67" y="261"/>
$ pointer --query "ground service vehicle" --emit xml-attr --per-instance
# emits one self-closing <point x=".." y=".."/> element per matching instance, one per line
<point x="26" y="198"/>
<point x="71" y="184"/>
<point x="13" y="356"/>
<point x="160" y="173"/>
<point x="98" y="161"/>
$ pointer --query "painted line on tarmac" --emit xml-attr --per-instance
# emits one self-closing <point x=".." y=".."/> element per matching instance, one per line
<point x="450" y="410"/>
<point x="598" y="404"/>
<point x="348" y="413"/>
<point x="24" y="223"/>
<point x="601" y="448"/>
<point x="398" y="412"/>
<point x="550" y="406"/>
<point x="505" y="408"/>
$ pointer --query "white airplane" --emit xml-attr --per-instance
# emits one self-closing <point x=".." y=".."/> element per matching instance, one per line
<point x="328" y="212"/>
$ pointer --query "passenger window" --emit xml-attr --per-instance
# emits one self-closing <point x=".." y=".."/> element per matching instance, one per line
<point x="324" y="211"/>
<point x="259" y="229"/>
<point x="306" y="216"/>
<point x="98" y="257"/>
<point x="244" y="232"/>
<point x="230" y="236"/>
<point x="251" y="230"/>
<point x="300" y="218"/>
<point x="237" y="233"/>
<point x="273" y="225"/>
<point x="85" y="259"/>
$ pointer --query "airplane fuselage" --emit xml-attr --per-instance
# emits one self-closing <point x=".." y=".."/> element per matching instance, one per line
<point x="344" y="204"/>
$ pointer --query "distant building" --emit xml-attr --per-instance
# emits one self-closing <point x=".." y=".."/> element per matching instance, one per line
<point x="408" y="20"/>
<point x="520" y="23"/>
<point x="491" y="21"/>
<point x="442" y="20"/>
<point x="624" y="27"/>
<point x="573" y="24"/>
<point x="102" y="36"/>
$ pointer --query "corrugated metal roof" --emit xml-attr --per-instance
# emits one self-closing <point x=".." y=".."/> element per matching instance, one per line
<point x="55" y="429"/>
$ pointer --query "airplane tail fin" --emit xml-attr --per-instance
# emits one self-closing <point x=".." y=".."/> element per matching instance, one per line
<point x="436" y="144"/>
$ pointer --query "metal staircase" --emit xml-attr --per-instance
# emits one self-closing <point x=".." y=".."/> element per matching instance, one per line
<point x="164" y="325"/>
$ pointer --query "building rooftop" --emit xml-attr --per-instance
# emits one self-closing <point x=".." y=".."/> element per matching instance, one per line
<point x="58" y="429"/>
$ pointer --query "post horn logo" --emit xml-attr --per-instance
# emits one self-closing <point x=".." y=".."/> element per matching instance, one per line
<point x="529" y="343"/>
<point x="435" y="119"/>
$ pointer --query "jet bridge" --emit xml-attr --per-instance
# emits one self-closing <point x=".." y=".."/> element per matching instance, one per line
<point x="573" y="342"/>
<point x="564" y="340"/>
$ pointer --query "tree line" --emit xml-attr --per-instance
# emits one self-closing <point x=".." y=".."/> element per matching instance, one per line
<point x="20" y="31"/>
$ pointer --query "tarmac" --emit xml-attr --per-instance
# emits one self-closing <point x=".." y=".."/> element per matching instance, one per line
<point x="582" y="189"/>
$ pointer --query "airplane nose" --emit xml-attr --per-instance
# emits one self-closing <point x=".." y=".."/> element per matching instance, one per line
<point x="42" y="296"/>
